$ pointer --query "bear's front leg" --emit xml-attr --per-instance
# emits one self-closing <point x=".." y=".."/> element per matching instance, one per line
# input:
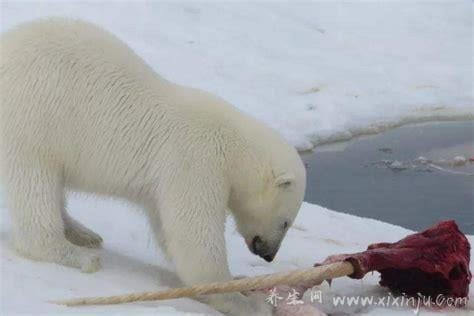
<point x="193" y="227"/>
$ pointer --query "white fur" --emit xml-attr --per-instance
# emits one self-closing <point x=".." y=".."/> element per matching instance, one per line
<point x="80" y="111"/>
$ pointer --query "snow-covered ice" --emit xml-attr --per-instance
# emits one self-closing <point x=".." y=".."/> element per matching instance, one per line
<point x="131" y="262"/>
<point x="315" y="71"/>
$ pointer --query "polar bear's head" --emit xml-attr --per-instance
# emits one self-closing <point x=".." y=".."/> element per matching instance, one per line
<point x="265" y="206"/>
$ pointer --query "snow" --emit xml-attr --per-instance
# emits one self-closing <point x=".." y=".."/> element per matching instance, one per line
<point x="131" y="262"/>
<point x="315" y="71"/>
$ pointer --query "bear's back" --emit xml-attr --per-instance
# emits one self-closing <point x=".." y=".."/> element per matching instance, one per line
<point x="60" y="40"/>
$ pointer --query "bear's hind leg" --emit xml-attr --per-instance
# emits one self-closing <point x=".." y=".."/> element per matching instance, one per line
<point x="34" y="198"/>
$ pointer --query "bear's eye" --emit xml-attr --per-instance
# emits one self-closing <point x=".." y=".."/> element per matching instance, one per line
<point x="285" y="184"/>
<point x="285" y="225"/>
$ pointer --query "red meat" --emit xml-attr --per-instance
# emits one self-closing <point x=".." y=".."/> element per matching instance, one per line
<point x="433" y="262"/>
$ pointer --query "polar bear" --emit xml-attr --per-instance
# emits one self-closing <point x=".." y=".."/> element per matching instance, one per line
<point x="79" y="110"/>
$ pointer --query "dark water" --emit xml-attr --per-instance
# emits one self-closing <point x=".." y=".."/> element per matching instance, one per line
<point x="351" y="178"/>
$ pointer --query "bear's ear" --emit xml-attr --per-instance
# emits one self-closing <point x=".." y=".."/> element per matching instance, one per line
<point x="285" y="180"/>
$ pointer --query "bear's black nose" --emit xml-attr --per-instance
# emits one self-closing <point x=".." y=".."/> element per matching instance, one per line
<point x="268" y="258"/>
<point x="260" y="248"/>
